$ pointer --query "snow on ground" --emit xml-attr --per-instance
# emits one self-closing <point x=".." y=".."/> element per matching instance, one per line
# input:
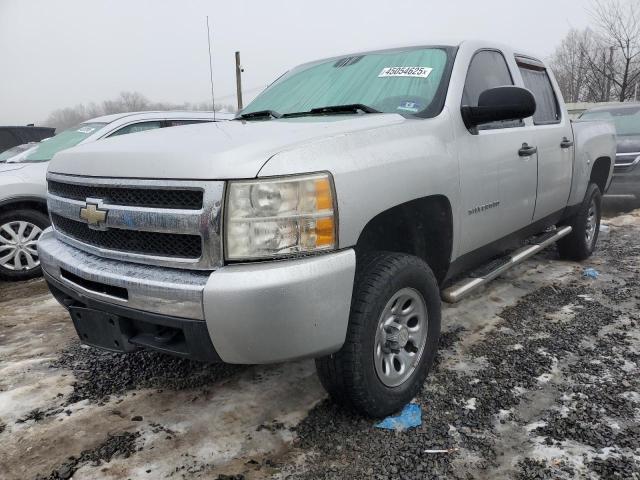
<point x="537" y="377"/>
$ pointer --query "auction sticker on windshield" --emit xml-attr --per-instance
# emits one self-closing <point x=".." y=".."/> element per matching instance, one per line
<point x="420" y="72"/>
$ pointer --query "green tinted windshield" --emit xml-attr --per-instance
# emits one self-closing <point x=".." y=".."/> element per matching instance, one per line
<point x="67" y="139"/>
<point x="626" y="119"/>
<point x="396" y="81"/>
<point x="12" y="152"/>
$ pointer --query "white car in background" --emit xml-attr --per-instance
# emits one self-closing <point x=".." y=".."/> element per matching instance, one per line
<point x="23" y="186"/>
<point x="17" y="153"/>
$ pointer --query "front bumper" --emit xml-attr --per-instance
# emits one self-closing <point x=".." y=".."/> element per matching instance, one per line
<point x="252" y="313"/>
<point x="626" y="181"/>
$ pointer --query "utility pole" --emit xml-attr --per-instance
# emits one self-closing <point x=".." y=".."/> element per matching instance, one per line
<point x="239" y="71"/>
<point x="213" y="98"/>
<point x="610" y="75"/>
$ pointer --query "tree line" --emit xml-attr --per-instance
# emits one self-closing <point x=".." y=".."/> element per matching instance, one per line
<point x="601" y="63"/>
<point x="64" y="118"/>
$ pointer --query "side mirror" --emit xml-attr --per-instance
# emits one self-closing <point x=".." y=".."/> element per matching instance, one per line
<point x="500" y="103"/>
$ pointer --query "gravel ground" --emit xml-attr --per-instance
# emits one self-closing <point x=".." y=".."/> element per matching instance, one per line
<point x="551" y="391"/>
<point x="537" y="378"/>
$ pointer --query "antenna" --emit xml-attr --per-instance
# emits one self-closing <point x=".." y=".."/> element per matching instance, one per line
<point x="213" y="98"/>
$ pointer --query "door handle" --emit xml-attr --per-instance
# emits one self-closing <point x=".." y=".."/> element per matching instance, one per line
<point x="566" y="143"/>
<point x="526" y="150"/>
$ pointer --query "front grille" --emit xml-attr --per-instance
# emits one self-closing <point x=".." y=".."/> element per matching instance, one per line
<point x="626" y="159"/>
<point x="134" y="197"/>
<point x="131" y="241"/>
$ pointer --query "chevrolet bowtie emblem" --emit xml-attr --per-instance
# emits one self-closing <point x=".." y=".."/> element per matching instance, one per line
<point x="92" y="214"/>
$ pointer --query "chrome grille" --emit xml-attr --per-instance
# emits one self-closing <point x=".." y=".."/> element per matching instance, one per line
<point x="149" y="243"/>
<point x="627" y="159"/>
<point x="133" y="197"/>
<point x="152" y="222"/>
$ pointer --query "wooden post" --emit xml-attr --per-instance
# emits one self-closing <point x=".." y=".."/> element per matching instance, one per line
<point x="239" y="71"/>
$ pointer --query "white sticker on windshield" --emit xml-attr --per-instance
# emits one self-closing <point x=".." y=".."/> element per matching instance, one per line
<point x="420" y="72"/>
<point x="86" y="129"/>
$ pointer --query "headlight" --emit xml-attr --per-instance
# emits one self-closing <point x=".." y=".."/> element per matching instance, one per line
<point x="269" y="218"/>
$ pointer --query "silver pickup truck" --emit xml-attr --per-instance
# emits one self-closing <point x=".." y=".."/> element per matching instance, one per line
<point x="330" y="217"/>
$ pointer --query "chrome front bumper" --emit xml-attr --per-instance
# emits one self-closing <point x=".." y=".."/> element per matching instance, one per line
<point x="254" y="313"/>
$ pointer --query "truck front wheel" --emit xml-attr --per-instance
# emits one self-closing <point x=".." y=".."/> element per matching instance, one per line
<point x="581" y="242"/>
<point x="391" y="339"/>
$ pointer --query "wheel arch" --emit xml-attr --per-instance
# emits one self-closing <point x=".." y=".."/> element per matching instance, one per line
<point x="600" y="173"/>
<point x="24" y="202"/>
<point x="422" y="227"/>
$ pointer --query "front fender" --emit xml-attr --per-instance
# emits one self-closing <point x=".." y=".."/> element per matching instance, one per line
<point x="377" y="169"/>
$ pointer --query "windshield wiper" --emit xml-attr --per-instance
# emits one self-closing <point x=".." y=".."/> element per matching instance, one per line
<point x="260" y="114"/>
<point x="352" y="107"/>
<point x="349" y="108"/>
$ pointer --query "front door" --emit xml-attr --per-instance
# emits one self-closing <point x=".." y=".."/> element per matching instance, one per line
<point x="498" y="163"/>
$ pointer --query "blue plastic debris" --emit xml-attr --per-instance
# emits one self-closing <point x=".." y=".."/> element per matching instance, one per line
<point x="410" y="417"/>
<point x="590" y="273"/>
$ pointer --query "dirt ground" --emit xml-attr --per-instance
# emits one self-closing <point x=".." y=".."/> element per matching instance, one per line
<point x="537" y="377"/>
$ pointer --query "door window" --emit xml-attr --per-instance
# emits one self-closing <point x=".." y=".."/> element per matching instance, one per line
<point x="7" y="140"/>
<point x="488" y="69"/>
<point x="177" y="123"/>
<point x="537" y="80"/>
<point x="137" y="127"/>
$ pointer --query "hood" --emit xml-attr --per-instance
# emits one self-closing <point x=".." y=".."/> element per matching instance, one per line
<point x="628" y="143"/>
<point x="9" y="167"/>
<point x="223" y="150"/>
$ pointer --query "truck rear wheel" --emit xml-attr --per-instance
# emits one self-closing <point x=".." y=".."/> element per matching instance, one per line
<point x="581" y="242"/>
<point x="392" y="336"/>
<point x="19" y="234"/>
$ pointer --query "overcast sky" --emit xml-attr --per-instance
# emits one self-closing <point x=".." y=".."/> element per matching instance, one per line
<point x="55" y="54"/>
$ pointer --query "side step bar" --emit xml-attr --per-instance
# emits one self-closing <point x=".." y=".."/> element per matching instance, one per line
<point x="456" y="292"/>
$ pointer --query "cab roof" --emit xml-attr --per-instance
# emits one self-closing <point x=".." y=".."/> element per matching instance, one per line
<point x="160" y="114"/>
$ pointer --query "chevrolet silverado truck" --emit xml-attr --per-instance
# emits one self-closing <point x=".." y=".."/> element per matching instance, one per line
<point x="330" y="218"/>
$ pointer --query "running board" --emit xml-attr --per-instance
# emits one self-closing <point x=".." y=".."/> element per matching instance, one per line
<point x="456" y="292"/>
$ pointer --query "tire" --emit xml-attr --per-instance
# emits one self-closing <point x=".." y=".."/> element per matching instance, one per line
<point x="355" y="375"/>
<point x="19" y="232"/>
<point x="581" y="242"/>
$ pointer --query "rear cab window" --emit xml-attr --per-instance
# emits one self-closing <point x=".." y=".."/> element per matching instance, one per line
<point x="137" y="127"/>
<point x="535" y="78"/>
<point x="178" y="123"/>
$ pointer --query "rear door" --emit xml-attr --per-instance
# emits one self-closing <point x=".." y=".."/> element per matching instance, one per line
<point x="498" y="176"/>
<point x="554" y="139"/>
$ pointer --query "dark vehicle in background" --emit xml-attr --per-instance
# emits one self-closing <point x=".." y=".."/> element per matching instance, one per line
<point x="626" y="117"/>
<point x="12" y="136"/>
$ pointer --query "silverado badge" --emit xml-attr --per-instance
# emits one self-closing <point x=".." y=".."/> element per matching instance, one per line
<point x="92" y="214"/>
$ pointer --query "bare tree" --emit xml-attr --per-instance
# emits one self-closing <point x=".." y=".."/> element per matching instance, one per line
<point x="604" y="63"/>
<point x="64" y="118"/>
<point x="569" y="64"/>
<point x="618" y="58"/>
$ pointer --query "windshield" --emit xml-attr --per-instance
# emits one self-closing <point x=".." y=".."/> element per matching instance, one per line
<point x="67" y="139"/>
<point x="12" y="152"/>
<point x="397" y="81"/>
<point x="626" y="119"/>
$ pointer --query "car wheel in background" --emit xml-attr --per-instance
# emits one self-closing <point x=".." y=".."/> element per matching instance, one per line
<point x="19" y="233"/>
